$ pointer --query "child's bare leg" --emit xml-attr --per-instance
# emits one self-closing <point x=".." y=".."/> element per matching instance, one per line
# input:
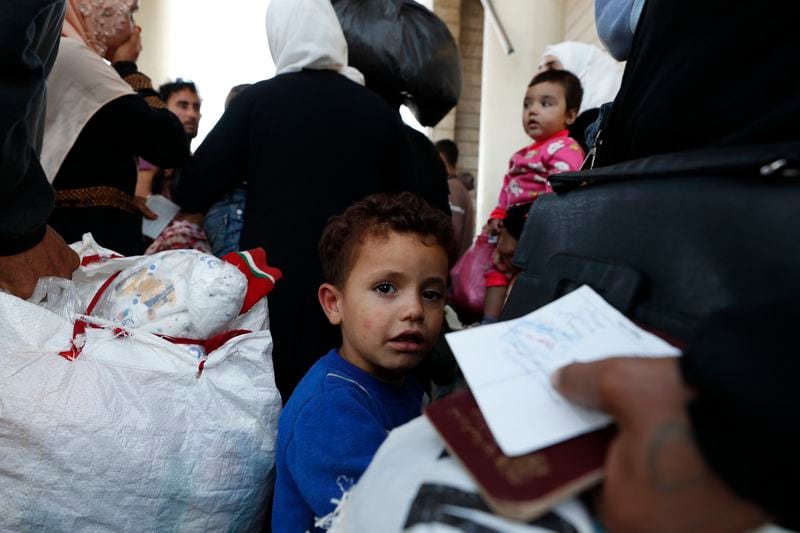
<point x="493" y="304"/>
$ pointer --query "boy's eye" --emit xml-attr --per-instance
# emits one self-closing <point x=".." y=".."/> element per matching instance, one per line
<point x="432" y="295"/>
<point x="385" y="288"/>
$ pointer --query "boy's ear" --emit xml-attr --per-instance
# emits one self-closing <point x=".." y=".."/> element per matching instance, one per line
<point x="329" y="297"/>
<point x="571" y="115"/>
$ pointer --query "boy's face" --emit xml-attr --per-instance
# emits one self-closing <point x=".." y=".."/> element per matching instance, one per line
<point x="391" y="306"/>
<point x="544" y="111"/>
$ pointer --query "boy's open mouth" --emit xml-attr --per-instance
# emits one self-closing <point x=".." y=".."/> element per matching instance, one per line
<point x="408" y="340"/>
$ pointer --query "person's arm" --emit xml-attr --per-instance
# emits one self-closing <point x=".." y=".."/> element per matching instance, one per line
<point x="30" y="33"/>
<point x="51" y="256"/>
<point x="568" y="158"/>
<point x="499" y="212"/>
<point x="29" y="249"/>
<point x="219" y="163"/>
<point x="150" y="131"/>
<point x="335" y="437"/>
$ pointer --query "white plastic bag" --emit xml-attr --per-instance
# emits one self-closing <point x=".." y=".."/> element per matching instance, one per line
<point x="57" y="295"/>
<point x="412" y="485"/>
<point x="131" y="435"/>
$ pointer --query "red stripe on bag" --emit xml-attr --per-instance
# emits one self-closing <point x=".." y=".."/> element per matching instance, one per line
<point x="208" y="345"/>
<point x="211" y="344"/>
<point x="92" y="259"/>
<point x="80" y="325"/>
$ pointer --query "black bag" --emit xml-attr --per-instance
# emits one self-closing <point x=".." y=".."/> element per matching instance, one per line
<point x="668" y="240"/>
<point x="405" y="52"/>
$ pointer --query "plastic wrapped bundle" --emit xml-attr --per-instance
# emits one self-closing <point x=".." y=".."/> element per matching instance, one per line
<point x="105" y="425"/>
<point x="405" y="52"/>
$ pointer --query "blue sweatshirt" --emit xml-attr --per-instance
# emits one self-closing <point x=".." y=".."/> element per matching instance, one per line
<point x="328" y="433"/>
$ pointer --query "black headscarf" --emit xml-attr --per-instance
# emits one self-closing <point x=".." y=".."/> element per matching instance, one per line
<point x="707" y="74"/>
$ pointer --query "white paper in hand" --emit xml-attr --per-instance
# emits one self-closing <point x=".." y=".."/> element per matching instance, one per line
<point x="508" y="367"/>
<point x="166" y="211"/>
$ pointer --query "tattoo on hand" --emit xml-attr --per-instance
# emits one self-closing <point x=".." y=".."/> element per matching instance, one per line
<point x="667" y="452"/>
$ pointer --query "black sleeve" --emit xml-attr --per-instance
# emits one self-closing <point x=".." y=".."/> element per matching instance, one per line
<point x="140" y="83"/>
<point x="745" y="367"/>
<point x="429" y="170"/>
<point x="153" y="133"/>
<point x="219" y="163"/>
<point x="30" y="31"/>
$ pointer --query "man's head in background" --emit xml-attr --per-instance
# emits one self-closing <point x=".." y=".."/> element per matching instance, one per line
<point x="182" y="99"/>
<point x="448" y="151"/>
<point x="234" y="92"/>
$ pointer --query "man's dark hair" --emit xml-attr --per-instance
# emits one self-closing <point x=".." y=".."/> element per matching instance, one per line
<point x="234" y="92"/>
<point x="166" y="90"/>
<point x="449" y="149"/>
<point x="573" y="91"/>
<point x="376" y="216"/>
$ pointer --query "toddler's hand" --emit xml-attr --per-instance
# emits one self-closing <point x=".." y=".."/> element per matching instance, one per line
<point x="494" y="226"/>
<point x="504" y="253"/>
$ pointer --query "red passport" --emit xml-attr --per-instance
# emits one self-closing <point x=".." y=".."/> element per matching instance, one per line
<point x="525" y="487"/>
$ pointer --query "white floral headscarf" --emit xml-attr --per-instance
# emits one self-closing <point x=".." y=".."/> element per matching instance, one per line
<point x="95" y="22"/>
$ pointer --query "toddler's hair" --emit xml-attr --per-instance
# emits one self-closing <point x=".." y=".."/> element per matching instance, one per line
<point x="377" y="215"/>
<point x="573" y="91"/>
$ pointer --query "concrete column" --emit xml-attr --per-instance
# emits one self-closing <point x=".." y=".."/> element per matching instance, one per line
<point x="153" y="16"/>
<point x="450" y="13"/>
<point x="530" y="25"/>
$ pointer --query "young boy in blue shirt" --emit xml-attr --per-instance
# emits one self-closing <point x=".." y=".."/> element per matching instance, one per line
<point x="385" y="262"/>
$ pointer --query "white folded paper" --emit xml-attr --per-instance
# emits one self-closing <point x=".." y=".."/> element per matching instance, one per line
<point x="508" y="367"/>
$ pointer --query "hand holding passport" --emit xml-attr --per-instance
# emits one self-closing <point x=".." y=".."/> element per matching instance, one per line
<point x="526" y="446"/>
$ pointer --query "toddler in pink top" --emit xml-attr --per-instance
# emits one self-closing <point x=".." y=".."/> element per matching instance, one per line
<point x="551" y="104"/>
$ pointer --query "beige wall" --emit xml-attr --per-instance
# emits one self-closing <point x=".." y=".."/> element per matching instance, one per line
<point x="468" y="120"/>
<point x="531" y="25"/>
<point x="450" y="13"/>
<point x="579" y="22"/>
<point x="465" y="20"/>
<point x="153" y="17"/>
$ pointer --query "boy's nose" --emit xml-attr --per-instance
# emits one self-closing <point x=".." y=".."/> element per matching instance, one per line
<point x="413" y="309"/>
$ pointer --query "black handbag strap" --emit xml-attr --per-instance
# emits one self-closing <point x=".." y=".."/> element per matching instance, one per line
<point x="769" y="161"/>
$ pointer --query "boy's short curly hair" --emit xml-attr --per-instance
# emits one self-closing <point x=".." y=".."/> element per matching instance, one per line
<point x="376" y="216"/>
<point x="573" y="90"/>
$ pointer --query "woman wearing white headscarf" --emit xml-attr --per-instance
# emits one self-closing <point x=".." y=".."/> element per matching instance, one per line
<point x="96" y="124"/>
<point x="308" y="143"/>
<point x="600" y="77"/>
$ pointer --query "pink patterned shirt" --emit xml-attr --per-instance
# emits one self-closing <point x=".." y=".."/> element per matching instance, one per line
<point x="531" y="167"/>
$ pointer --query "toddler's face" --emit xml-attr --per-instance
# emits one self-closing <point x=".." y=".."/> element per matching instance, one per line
<point x="544" y="111"/>
<point x="392" y="305"/>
